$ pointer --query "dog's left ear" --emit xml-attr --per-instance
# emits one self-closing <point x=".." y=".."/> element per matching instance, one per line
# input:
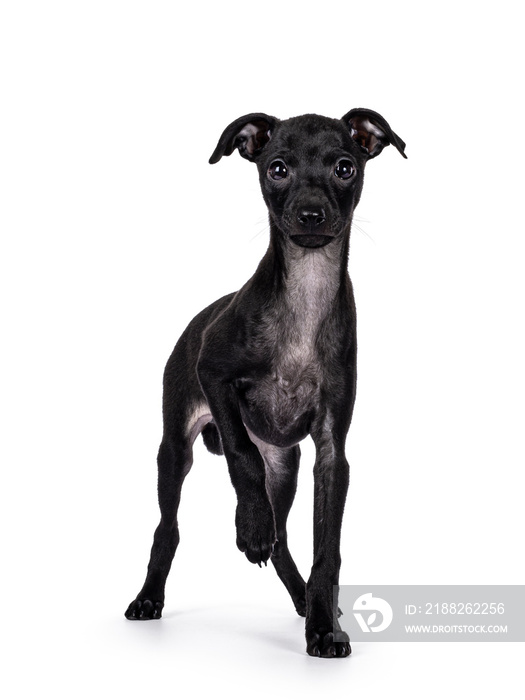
<point x="372" y="132"/>
<point x="249" y="134"/>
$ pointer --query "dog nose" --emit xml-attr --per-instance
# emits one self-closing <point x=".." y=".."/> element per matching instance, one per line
<point x="311" y="218"/>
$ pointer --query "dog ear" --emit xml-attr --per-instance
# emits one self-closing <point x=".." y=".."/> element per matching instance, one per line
<point x="249" y="134"/>
<point x="372" y="132"/>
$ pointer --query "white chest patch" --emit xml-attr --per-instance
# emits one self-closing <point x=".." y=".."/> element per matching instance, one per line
<point x="310" y="290"/>
<point x="291" y="389"/>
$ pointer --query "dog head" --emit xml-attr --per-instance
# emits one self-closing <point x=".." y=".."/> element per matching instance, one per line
<point x="311" y="167"/>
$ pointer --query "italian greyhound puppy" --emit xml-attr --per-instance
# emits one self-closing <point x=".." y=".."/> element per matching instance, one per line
<point x="261" y="369"/>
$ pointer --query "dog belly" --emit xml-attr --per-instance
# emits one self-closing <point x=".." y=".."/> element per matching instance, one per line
<point x="278" y="411"/>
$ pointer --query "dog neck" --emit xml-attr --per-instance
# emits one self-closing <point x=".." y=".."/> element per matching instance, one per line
<point x="308" y="278"/>
<point x="301" y="287"/>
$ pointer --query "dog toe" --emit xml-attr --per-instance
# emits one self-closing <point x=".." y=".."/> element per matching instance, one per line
<point x="256" y="534"/>
<point x="327" y="645"/>
<point x="144" y="609"/>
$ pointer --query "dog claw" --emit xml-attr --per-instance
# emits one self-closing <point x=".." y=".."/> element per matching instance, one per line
<point x="144" y="609"/>
<point x="328" y="647"/>
<point x="255" y="535"/>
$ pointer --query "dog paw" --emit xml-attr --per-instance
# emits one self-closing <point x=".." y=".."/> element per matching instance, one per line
<point x="255" y="532"/>
<point x="144" y="609"/>
<point x="328" y="645"/>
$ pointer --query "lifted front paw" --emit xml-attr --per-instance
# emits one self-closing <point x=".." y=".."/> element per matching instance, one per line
<point x="328" y="645"/>
<point x="255" y="533"/>
<point x="144" y="609"/>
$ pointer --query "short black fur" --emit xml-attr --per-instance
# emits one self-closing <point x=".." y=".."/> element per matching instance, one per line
<point x="259" y="370"/>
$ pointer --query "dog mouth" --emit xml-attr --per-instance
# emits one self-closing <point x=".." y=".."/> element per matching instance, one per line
<point x="312" y="240"/>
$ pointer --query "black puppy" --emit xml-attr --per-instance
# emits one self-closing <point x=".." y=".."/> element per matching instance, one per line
<point x="259" y="370"/>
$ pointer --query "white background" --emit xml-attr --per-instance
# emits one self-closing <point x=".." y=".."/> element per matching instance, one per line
<point x="116" y="231"/>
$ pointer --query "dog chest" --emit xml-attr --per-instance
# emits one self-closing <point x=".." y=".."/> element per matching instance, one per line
<point x="279" y="401"/>
<point x="278" y="407"/>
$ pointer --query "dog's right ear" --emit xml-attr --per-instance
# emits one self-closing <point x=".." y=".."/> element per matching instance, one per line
<point x="249" y="134"/>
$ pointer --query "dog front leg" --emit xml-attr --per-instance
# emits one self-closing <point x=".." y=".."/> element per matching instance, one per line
<point x="324" y="636"/>
<point x="254" y="517"/>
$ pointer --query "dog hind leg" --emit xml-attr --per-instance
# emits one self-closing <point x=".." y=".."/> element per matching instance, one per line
<point x="174" y="462"/>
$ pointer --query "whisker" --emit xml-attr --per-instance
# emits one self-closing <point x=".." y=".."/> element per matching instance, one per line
<point x="362" y="230"/>
<point x="355" y="225"/>
<point x="262" y="230"/>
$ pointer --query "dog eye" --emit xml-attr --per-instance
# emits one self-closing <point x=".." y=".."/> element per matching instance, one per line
<point x="344" y="170"/>
<point x="278" y="170"/>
